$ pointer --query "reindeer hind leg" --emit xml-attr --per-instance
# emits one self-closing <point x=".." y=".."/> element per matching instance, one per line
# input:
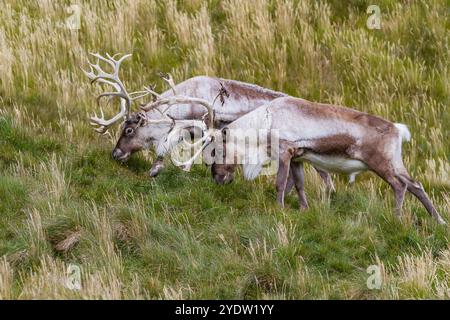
<point x="393" y="171"/>
<point x="418" y="191"/>
<point x="399" y="188"/>
<point x="389" y="175"/>
<point x="400" y="182"/>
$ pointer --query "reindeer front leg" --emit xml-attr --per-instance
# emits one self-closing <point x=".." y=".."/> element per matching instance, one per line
<point x="157" y="167"/>
<point x="282" y="174"/>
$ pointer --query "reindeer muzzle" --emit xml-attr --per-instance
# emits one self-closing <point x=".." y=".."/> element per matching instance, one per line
<point x="119" y="155"/>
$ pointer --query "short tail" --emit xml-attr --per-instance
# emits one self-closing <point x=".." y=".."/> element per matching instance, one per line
<point x="404" y="131"/>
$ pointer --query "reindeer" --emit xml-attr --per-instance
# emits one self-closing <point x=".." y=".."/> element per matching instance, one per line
<point x="332" y="138"/>
<point x="175" y="107"/>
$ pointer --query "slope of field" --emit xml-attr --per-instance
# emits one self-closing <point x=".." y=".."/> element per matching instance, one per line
<point x="64" y="203"/>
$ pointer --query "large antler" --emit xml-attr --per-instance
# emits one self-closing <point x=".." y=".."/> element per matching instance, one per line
<point x="177" y="99"/>
<point x="97" y="74"/>
<point x="207" y="127"/>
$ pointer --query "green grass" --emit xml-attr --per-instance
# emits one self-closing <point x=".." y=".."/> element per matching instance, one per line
<point x="64" y="200"/>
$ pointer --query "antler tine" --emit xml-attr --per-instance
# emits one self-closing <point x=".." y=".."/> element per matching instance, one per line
<point x="147" y="91"/>
<point x="170" y="101"/>
<point x="91" y="75"/>
<point x="97" y="74"/>
<point x="99" y="57"/>
<point x="167" y="77"/>
<point x="151" y="91"/>
<point x="103" y="74"/>
<point x="141" y="94"/>
<point x="116" y="63"/>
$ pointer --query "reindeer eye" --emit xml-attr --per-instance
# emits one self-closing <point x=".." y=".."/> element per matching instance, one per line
<point x="129" y="131"/>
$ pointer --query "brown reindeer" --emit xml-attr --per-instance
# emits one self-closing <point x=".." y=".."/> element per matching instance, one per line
<point x="332" y="138"/>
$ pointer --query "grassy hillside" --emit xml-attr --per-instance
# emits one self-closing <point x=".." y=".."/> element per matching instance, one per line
<point x="63" y="200"/>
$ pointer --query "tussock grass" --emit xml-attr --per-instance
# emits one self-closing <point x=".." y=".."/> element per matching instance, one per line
<point x="64" y="201"/>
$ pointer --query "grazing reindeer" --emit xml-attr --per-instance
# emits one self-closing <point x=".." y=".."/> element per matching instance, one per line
<point x="142" y="130"/>
<point x="333" y="138"/>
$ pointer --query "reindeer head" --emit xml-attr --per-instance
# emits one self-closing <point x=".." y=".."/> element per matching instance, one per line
<point x="134" y="137"/>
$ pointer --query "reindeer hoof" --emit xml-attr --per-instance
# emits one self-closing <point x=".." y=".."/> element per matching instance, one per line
<point x="280" y="204"/>
<point x="153" y="173"/>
